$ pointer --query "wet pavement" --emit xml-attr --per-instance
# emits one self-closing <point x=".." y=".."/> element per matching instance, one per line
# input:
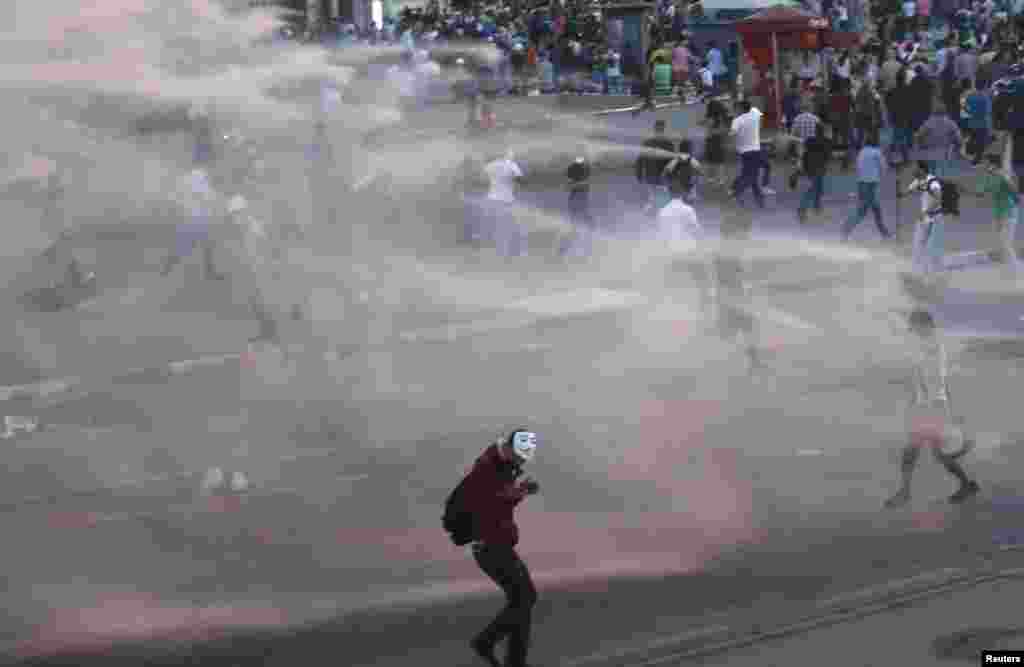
<point x="676" y="490"/>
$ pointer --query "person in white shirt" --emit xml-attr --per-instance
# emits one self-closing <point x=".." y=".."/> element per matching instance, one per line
<point x="677" y="220"/>
<point x="402" y="79"/>
<point x="503" y="175"/>
<point x="260" y="260"/>
<point x="928" y="250"/>
<point x="679" y="228"/>
<point x="425" y="73"/>
<point x="930" y="416"/>
<point x="747" y="129"/>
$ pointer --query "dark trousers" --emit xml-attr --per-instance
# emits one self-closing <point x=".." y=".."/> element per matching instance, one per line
<point x="979" y="142"/>
<point x="812" y="197"/>
<point x="750" y="172"/>
<point x="581" y="240"/>
<point x="503" y="565"/>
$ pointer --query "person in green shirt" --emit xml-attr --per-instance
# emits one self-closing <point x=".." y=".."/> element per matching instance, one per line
<point x="1003" y="191"/>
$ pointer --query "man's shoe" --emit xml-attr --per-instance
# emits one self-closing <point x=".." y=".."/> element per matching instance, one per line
<point x="965" y="492"/>
<point x="899" y="500"/>
<point x="769" y="191"/>
<point x="485" y="652"/>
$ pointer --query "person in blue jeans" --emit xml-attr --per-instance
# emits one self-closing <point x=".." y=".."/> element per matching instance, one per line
<point x="816" y="152"/>
<point x="870" y="167"/>
<point x="979" y="119"/>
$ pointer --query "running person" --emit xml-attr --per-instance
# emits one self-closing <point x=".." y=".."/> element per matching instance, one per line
<point x="736" y="322"/>
<point x="201" y="202"/>
<point x="870" y="170"/>
<point x="261" y="257"/>
<point x="930" y="416"/>
<point x="580" y="241"/>
<point x="492" y="492"/>
<point x="650" y="168"/>
<point x="716" y="119"/>
<point x="503" y="175"/>
<point x="1004" y="207"/>
<point x="61" y="250"/>
<point x="928" y="244"/>
<point x="678" y="226"/>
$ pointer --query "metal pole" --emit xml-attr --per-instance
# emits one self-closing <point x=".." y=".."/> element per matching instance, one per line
<point x="778" y="76"/>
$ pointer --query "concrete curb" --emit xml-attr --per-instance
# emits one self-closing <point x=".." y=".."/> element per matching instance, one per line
<point x="713" y="640"/>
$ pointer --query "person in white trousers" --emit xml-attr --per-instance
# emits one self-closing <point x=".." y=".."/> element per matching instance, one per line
<point x="929" y="244"/>
<point x="503" y="174"/>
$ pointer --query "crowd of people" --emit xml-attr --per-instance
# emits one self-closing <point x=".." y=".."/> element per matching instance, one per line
<point x="932" y="84"/>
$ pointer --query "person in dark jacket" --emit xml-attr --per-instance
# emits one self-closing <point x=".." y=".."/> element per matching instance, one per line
<point x="817" y="151"/>
<point x="493" y="490"/>
<point x="921" y="97"/>
<point x="902" y="118"/>
<point x="658" y="151"/>
<point x="582" y="221"/>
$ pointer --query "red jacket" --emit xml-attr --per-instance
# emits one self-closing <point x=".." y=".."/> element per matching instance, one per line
<point x="492" y="495"/>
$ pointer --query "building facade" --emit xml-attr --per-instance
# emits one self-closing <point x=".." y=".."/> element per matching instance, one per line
<point x="346" y="11"/>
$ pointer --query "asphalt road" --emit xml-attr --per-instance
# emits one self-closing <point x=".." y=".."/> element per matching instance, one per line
<point x="677" y="492"/>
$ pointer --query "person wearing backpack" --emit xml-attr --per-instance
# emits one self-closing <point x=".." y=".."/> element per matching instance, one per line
<point x="479" y="513"/>
<point x="928" y="249"/>
<point x="682" y="172"/>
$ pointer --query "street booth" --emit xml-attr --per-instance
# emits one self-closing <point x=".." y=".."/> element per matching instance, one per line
<point x="764" y="34"/>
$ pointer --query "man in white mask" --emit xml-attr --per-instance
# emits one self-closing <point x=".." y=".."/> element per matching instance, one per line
<point x="489" y="495"/>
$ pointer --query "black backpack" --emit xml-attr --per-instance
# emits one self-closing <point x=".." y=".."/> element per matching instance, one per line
<point x="458" y="519"/>
<point x="950" y="196"/>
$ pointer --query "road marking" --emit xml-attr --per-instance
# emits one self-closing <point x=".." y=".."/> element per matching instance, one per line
<point x="546" y="306"/>
<point x="890" y="587"/>
<point x="786" y="319"/>
<point x="660" y="642"/>
<point x="756" y="636"/>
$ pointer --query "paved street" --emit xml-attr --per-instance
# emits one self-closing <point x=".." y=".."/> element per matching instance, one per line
<point x="950" y="629"/>
<point x="676" y="491"/>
